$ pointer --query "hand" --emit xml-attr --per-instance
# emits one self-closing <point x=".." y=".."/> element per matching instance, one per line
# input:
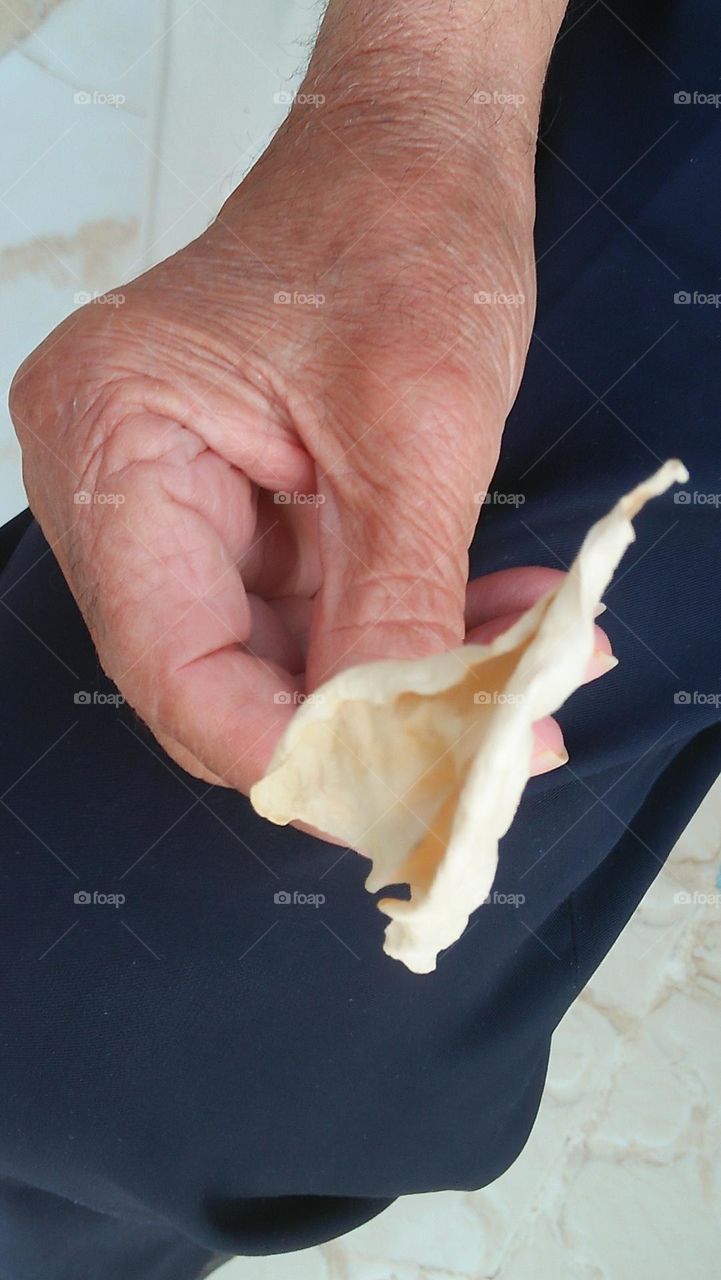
<point x="278" y="489"/>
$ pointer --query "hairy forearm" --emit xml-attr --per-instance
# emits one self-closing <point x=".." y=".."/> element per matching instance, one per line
<point x="510" y="31"/>
<point x="409" y="152"/>
<point x="472" y="62"/>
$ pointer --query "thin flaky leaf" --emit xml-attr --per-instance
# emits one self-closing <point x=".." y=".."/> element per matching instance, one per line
<point x="421" y="764"/>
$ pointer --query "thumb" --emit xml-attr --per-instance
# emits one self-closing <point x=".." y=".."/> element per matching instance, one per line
<point x="394" y="572"/>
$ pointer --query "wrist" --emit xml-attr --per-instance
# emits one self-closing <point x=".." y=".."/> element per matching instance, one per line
<point x="470" y="69"/>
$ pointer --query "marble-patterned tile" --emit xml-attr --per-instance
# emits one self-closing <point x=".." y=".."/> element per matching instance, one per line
<point x="439" y="1234"/>
<point x="583" y="1057"/>
<point x="12" y="494"/>
<point x="545" y="1255"/>
<point x="230" y="74"/>
<point x="66" y="165"/>
<point x="696" y="861"/>
<point x="643" y="1220"/>
<point x="20" y="20"/>
<point x="307" y="1265"/>
<point x="640" y="1189"/>
<point x="75" y="176"/>
<point x="103" y="47"/>
<point x="649" y="950"/>
<point x="686" y="1025"/>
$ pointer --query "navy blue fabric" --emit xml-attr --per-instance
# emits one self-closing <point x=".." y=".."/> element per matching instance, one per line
<point x="201" y="1068"/>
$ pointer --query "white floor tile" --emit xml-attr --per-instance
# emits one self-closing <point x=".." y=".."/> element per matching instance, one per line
<point x="75" y="176"/>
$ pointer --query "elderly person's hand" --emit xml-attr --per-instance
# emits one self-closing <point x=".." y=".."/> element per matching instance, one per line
<point x="267" y="464"/>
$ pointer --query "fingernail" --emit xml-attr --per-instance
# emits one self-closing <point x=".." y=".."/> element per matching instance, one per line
<point x="602" y="662"/>
<point x="547" y="760"/>
<point x="600" y="608"/>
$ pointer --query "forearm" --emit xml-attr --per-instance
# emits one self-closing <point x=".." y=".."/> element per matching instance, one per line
<point x="470" y="63"/>
<point x="408" y="155"/>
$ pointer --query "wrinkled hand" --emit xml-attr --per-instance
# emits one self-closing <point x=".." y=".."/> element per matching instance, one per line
<point x="268" y="463"/>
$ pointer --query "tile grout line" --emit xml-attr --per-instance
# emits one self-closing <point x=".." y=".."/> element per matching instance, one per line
<point x="157" y="127"/>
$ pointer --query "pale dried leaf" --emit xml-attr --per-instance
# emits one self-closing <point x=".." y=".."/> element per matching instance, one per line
<point x="421" y="764"/>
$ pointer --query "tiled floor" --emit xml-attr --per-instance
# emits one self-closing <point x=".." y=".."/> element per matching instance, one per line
<point x="74" y="181"/>
<point x="621" y="1176"/>
<point x="125" y="124"/>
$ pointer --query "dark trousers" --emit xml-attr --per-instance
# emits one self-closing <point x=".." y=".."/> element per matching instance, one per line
<point x="201" y="1068"/>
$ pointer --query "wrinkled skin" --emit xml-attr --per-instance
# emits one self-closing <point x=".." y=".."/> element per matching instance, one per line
<point x="201" y="397"/>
